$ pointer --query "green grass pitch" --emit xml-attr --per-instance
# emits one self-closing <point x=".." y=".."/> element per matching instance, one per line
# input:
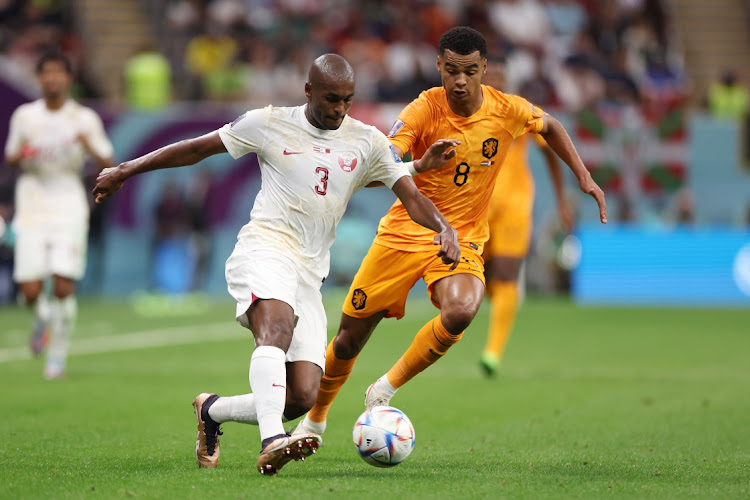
<point x="590" y="403"/>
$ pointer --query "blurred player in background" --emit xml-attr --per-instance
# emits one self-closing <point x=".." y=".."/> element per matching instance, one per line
<point x="49" y="140"/>
<point x="510" y="219"/>
<point x="313" y="158"/>
<point x="486" y="121"/>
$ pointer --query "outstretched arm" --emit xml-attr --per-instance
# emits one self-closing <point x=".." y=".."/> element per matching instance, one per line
<point x="436" y="155"/>
<point x="556" y="174"/>
<point x="559" y="140"/>
<point x="425" y="213"/>
<point x="179" y="154"/>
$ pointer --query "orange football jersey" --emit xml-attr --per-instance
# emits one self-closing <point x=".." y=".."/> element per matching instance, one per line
<point x="461" y="189"/>
<point x="515" y="177"/>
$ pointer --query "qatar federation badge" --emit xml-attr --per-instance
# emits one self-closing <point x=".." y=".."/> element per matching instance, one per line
<point x="347" y="161"/>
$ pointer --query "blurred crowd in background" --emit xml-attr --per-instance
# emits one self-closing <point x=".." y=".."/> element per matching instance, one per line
<point x="565" y="55"/>
<point x="560" y="53"/>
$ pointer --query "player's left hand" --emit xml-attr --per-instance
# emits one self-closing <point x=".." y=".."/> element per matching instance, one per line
<point x="590" y="187"/>
<point x="450" y="251"/>
<point x="436" y="155"/>
<point x="108" y="183"/>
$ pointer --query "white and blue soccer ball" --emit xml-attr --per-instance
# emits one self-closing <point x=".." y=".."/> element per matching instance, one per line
<point x="383" y="436"/>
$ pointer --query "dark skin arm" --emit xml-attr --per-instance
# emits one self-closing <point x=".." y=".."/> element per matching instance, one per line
<point x="559" y="140"/>
<point x="179" y="154"/>
<point x="436" y="155"/>
<point x="423" y="212"/>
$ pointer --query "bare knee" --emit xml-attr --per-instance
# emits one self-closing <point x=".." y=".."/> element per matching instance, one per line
<point x="63" y="287"/>
<point x="30" y="291"/>
<point x="277" y="335"/>
<point x="347" y="344"/>
<point x="272" y="323"/>
<point x="505" y="269"/>
<point x="457" y="317"/>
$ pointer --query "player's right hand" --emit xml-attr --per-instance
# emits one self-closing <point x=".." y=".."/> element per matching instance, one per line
<point x="450" y="250"/>
<point x="108" y="182"/>
<point x="437" y="155"/>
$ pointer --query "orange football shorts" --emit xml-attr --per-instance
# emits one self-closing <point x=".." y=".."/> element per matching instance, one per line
<point x="510" y="227"/>
<point x="386" y="276"/>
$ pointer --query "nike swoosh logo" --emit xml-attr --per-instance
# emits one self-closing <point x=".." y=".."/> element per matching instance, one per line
<point x="277" y="385"/>
<point x="287" y="152"/>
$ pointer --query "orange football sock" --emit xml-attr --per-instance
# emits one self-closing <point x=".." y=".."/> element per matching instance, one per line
<point x="430" y="344"/>
<point x="503" y="308"/>
<point x="337" y="372"/>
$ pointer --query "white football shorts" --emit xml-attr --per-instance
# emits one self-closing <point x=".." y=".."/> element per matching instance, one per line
<point x="265" y="274"/>
<point x="42" y="252"/>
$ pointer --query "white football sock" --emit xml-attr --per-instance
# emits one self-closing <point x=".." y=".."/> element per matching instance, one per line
<point x="62" y="318"/>
<point x="384" y="387"/>
<point x="314" y="427"/>
<point x="42" y="309"/>
<point x="236" y="409"/>
<point x="268" y="382"/>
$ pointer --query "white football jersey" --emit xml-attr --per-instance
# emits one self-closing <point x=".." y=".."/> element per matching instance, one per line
<point x="50" y="189"/>
<point x="308" y="176"/>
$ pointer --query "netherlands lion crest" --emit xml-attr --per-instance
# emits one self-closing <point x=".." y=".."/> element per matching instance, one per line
<point x="489" y="148"/>
<point x="359" y="298"/>
<point x="347" y="161"/>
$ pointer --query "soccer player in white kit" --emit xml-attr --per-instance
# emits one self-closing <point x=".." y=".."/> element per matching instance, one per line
<point x="49" y="140"/>
<point x="312" y="158"/>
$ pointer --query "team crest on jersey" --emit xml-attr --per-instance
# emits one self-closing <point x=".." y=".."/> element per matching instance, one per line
<point x="489" y="148"/>
<point x="359" y="298"/>
<point x="347" y="161"/>
<point x="396" y="127"/>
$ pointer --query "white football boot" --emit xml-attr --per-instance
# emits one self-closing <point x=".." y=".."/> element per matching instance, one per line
<point x="373" y="397"/>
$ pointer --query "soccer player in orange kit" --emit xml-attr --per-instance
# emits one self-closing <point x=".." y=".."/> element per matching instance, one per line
<point x="510" y="219"/>
<point x="485" y="121"/>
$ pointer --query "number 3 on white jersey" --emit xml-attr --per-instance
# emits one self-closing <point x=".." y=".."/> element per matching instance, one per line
<point x="321" y="189"/>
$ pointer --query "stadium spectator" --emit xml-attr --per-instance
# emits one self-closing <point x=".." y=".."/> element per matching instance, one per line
<point x="196" y="201"/>
<point x="681" y="212"/>
<point x="148" y="81"/>
<point x="172" y="264"/>
<point x="209" y="43"/>
<point x="210" y="57"/>
<point x="49" y="140"/>
<point x="729" y="98"/>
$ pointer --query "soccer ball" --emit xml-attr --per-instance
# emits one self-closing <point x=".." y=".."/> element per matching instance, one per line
<point x="383" y="436"/>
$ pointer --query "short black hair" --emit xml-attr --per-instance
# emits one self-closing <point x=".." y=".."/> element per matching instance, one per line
<point x="463" y="40"/>
<point x="54" y="56"/>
